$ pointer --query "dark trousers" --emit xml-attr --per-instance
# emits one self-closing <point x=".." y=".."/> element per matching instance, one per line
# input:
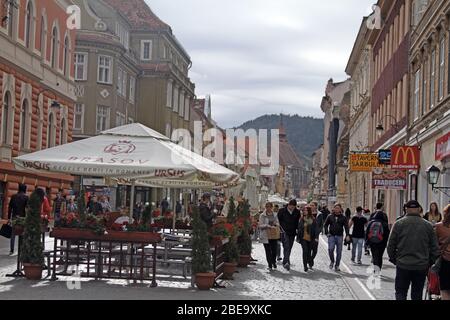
<point x="307" y="248"/>
<point x="314" y="248"/>
<point x="12" y="241"/>
<point x="271" y="252"/>
<point x="288" y="242"/>
<point x="405" y="278"/>
<point x="377" y="254"/>
<point x="278" y="249"/>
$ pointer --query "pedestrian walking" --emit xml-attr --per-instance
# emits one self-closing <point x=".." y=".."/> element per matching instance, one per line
<point x="334" y="228"/>
<point x="315" y="211"/>
<point x="72" y="206"/>
<point x="164" y="206"/>
<point x="359" y="223"/>
<point x="433" y="216"/>
<point x="307" y="236"/>
<point x="288" y="218"/>
<point x="16" y="208"/>
<point x="367" y="215"/>
<point x="377" y="235"/>
<point x="276" y="208"/>
<point x="206" y="214"/>
<point x="59" y="205"/>
<point x="95" y="207"/>
<point x="268" y="221"/>
<point x="322" y="217"/>
<point x="443" y="235"/>
<point x="106" y="206"/>
<point x="413" y="248"/>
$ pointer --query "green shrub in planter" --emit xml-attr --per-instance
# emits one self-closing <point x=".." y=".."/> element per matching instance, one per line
<point x="201" y="254"/>
<point x="244" y="240"/>
<point x="31" y="250"/>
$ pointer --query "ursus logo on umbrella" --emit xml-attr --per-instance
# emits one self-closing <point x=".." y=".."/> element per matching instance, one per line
<point x="122" y="147"/>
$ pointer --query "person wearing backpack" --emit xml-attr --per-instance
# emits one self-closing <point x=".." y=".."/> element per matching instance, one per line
<point x="377" y="235"/>
<point x="335" y="225"/>
<point x="412" y="248"/>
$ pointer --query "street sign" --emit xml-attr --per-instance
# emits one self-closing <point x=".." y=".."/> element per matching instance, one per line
<point x="405" y="158"/>
<point x="389" y="180"/>
<point x="443" y="147"/>
<point x="384" y="157"/>
<point x="363" y="162"/>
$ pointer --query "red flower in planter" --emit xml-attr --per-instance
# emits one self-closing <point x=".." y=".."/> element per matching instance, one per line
<point x="156" y="214"/>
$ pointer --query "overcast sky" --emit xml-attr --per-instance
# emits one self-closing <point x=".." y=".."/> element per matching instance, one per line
<point x="259" y="57"/>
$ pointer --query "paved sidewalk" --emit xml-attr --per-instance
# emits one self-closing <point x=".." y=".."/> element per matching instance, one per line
<point x="255" y="282"/>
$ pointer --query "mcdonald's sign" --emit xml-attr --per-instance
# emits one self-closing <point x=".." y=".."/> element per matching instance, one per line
<point x="405" y="158"/>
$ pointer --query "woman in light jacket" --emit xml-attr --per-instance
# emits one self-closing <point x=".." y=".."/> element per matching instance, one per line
<point x="268" y="220"/>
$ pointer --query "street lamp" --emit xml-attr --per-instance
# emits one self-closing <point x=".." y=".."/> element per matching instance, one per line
<point x="380" y="127"/>
<point x="433" y="174"/>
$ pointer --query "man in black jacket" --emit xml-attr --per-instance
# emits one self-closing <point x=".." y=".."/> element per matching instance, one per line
<point x="16" y="208"/>
<point x="206" y="214"/>
<point x="288" y="218"/>
<point x="377" y="247"/>
<point x="335" y="225"/>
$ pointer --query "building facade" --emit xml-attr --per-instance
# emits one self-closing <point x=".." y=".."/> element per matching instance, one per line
<point x="390" y="92"/>
<point x="359" y="68"/>
<point x="37" y="90"/>
<point x="429" y="110"/>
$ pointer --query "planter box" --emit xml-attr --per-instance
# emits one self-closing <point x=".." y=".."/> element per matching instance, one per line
<point x="218" y="241"/>
<point x="116" y="236"/>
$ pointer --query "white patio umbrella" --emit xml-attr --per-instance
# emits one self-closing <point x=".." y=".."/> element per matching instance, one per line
<point x="132" y="151"/>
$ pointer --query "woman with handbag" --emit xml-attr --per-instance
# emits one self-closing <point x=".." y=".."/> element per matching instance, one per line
<point x="308" y="236"/>
<point x="443" y="263"/>
<point x="269" y="235"/>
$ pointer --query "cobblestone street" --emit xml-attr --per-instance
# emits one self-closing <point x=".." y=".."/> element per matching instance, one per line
<point x="256" y="282"/>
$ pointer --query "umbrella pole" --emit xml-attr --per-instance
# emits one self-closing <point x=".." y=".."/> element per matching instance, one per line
<point x="133" y="184"/>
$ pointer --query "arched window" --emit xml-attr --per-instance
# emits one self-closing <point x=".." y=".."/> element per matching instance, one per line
<point x="51" y="131"/>
<point x="62" y="132"/>
<point x="24" y="123"/>
<point x="66" y="56"/>
<point x="5" y="117"/>
<point x="29" y="32"/>
<point x="43" y="40"/>
<point x="11" y="20"/>
<point x="54" y="56"/>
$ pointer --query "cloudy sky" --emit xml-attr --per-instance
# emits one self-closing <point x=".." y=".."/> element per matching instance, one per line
<point x="259" y="57"/>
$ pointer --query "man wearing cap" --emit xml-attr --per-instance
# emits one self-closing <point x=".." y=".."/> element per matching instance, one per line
<point x="413" y="248"/>
<point x="205" y="210"/>
<point x="288" y="218"/>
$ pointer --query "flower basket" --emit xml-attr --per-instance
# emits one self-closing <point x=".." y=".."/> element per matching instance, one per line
<point x="228" y="270"/>
<point x="244" y="261"/>
<point x="205" y="281"/>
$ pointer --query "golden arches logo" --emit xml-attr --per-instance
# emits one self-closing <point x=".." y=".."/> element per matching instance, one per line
<point x="405" y="152"/>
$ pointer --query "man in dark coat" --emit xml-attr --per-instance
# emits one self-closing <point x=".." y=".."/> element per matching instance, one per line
<point x="288" y="218"/>
<point x="17" y="206"/>
<point x="206" y="214"/>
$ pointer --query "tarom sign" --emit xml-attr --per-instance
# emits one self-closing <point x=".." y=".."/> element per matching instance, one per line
<point x="363" y="162"/>
<point x="405" y="158"/>
<point x="443" y="147"/>
<point x="389" y="180"/>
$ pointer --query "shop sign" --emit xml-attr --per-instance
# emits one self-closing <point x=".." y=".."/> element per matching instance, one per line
<point x="405" y="158"/>
<point x="363" y="162"/>
<point x="443" y="147"/>
<point x="384" y="157"/>
<point x="389" y="180"/>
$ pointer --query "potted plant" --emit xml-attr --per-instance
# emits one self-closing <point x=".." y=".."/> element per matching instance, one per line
<point x="244" y="240"/>
<point x="201" y="254"/>
<point x="231" y="248"/>
<point x="32" y="251"/>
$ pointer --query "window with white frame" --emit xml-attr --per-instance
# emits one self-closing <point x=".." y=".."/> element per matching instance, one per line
<point x="102" y="121"/>
<point x="432" y="78"/>
<point x="176" y="99"/>
<point x="169" y="94"/>
<point x="78" y="121"/>
<point x="51" y="131"/>
<point x="146" y="50"/>
<point x="120" y="119"/>
<point x="441" y="69"/>
<point x="416" y="94"/>
<point x="424" y="89"/>
<point x="66" y="58"/>
<point x="187" y="108"/>
<point x="55" y="48"/>
<point x="132" y="96"/>
<point x="122" y="82"/>
<point x="81" y="65"/>
<point x="29" y="25"/>
<point x="181" y="111"/>
<point x="63" y="132"/>
<point x="123" y="34"/>
<point x="25" y="124"/>
<point x="104" y="74"/>
<point x="7" y="110"/>
<point x="43" y="41"/>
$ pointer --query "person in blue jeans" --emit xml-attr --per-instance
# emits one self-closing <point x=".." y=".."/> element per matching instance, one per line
<point x="359" y="222"/>
<point x="334" y="228"/>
